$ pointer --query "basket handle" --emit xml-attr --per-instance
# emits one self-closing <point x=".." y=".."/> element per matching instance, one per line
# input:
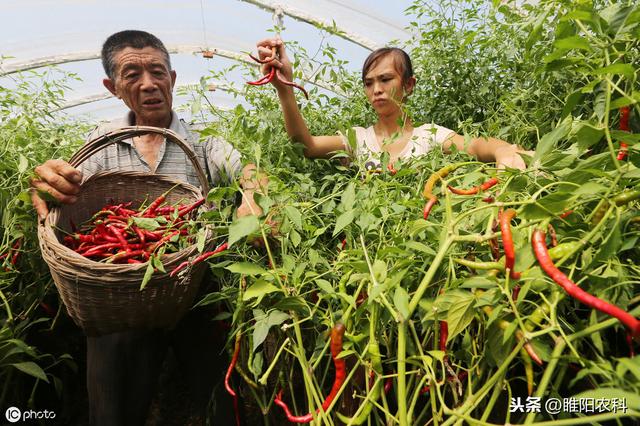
<point x="109" y="138"/>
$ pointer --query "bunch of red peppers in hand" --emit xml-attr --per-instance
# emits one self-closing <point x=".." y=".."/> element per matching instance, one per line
<point x="274" y="73"/>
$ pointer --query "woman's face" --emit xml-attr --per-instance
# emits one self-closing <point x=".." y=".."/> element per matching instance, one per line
<point x="383" y="86"/>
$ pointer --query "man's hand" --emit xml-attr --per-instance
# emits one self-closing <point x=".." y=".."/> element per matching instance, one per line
<point x="509" y="156"/>
<point x="248" y="207"/>
<point x="59" y="180"/>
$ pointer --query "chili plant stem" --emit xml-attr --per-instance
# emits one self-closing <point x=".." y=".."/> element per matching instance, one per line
<point x="497" y="390"/>
<point x="557" y="351"/>
<point x="265" y="376"/>
<point x="476" y="397"/>
<point x="431" y="272"/>
<point x="584" y="240"/>
<point x="607" y="105"/>
<point x="7" y="307"/>
<point x="402" y="370"/>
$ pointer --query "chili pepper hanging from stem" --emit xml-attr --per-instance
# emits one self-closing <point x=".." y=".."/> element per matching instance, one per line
<point x="507" y="242"/>
<point x="337" y="334"/>
<point x="227" y="386"/>
<point x="624" y="126"/>
<point x="540" y="250"/>
<point x="476" y="189"/>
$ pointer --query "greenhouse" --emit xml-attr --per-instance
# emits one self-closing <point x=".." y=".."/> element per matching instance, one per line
<point x="337" y="212"/>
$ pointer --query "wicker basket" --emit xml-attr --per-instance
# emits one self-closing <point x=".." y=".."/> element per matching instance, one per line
<point x="105" y="298"/>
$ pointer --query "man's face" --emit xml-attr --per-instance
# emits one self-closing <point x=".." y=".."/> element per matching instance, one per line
<point x="144" y="82"/>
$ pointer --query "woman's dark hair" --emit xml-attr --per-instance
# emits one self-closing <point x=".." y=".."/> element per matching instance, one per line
<point x="129" y="38"/>
<point x="400" y="59"/>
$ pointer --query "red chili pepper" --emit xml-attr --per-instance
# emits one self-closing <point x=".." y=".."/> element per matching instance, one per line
<point x="427" y="192"/>
<point x="515" y="292"/>
<point x="444" y="335"/>
<point x="227" y="386"/>
<point x="632" y="352"/>
<point x="201" y="258"/>
<point x="48" y="309"/>
<point x="542" y="254"/>
<point x="286" y="82"/>
<point x="264" y="80"/>
<point x="565" y="214"/>
<point x="343" y="244"/>
<point x="124" y="255"/>
<point x="488" y="200"/>
<point x="185" y="210"/>
<point x="100" y="249"/>
<point x="391" y="169"/>
<point x="388" y="384"/>
<point x="120" y="236"/>
<point x="337" y="334"/>
<point x="428" y="206"/>
<point x="624" y="125"/>
<point x="163" y="240"/>
<point x="483" y="187"/>
<point x="16" y="249"/>
<point x="507" y="242"/>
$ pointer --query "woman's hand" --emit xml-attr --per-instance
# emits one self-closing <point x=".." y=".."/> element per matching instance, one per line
<point x="509" y="156"/>
<point x="281" y="61"/>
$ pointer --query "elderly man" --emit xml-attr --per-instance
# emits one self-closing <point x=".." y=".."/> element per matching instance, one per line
<point x="122" y="368"/>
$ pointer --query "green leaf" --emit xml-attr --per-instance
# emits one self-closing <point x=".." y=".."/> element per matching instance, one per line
<point x="32" y="369"/>
<point x="622" y="69"/>
<point x="293" y="303"/>
<point x="616" y="15"/>
<point x="246" y="268"/>
<point x="157" y="263"/>
<point x="549" y="141"/>
<point x="294" y="215"/>
<point x="344" y="220"/>
<point x="401" y="301"/>
<point x="201" y="239"/>
<point x="630" y="364"/>
<point x="259" y="289"/>
<point x="417" y="246"/>
<point x="611" y="245"/>
<point x="348" y="197"/>
<point x="325" y="286"/>
<point x="295" y="238"/>
<point x="147" y="223"/>
<point x="460" y="313"/>
<point x="574" y="42"/>
<point x="264" y="323"/>
<point x="242" y="227"/>
<point x="23" y="164"/>
<point x="632" y="399"/>
<point x="147" y="276"/>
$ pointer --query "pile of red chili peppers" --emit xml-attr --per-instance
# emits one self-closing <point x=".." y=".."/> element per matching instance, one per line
<point x="274" y="73"/>
<point x="118" y="234"/>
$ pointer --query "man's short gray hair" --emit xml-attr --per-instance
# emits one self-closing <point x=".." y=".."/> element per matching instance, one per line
<point x="129" y="38"/>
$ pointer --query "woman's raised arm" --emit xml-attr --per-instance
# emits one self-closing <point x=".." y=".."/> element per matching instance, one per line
<point x="315" y="146"/>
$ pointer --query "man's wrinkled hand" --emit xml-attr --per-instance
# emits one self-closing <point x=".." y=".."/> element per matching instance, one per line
<point x="55" y="180"/>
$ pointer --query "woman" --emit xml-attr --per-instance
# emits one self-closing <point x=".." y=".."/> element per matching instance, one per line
<point x="388" y="79"/>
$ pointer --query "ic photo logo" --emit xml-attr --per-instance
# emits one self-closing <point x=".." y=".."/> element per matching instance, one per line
<point x="13" y="414"/>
